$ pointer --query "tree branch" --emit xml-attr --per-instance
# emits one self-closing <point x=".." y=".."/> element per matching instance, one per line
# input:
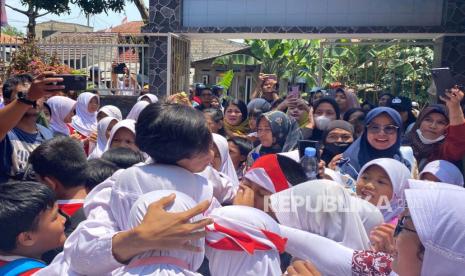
<point x="40" y="15"/>
<point x="17" y="10"/>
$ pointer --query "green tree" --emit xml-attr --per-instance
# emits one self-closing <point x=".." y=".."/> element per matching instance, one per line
<point x="38" y="8"/>
<point x="13" y="31"/>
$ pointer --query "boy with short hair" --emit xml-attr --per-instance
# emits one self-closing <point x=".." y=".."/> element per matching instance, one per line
<point x="61" y="164"/>
<point x="30" y="225"/>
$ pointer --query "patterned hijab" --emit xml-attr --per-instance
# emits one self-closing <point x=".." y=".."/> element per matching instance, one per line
<point x="285" y="131"/>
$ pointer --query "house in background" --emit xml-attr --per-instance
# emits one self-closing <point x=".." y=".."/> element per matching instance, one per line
<point x="48" y="28"/>
<point x="245" y="66"/>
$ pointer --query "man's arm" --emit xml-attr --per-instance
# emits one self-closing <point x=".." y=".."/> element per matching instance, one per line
<point x="12" y="113"/>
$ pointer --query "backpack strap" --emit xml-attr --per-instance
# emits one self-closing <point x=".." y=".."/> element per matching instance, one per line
<point x="19" y="266"/>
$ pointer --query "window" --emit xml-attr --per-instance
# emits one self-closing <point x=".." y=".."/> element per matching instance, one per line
<point x="205" y="79"/>
<point x="248" y="87"/>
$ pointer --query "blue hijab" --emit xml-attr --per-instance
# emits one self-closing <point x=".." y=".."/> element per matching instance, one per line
<point x="361" y="152"/>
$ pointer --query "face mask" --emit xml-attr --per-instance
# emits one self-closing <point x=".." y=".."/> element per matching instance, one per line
<point x="427" y="141"/>
<point x="336" y="148"/>
<point x="322" y="122"/>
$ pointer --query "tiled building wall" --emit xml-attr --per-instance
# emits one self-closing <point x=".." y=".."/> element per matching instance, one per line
<point x="167" y="16"/>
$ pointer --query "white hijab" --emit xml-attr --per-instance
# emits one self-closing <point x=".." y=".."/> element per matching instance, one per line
<point x="60" y="108"/>
<point x="136" y="110"/>
<point x="243" y="241"/>
<point x="439" y="221"/>
<point x="445" y="171"/>
<point x="152" y="98"/>
<point x="326" y="208"/>
<point x="141" y="264"/>
<point x="102" y="140"/>
<point x="112" y="111"/>
<point x="227" y="166"/>
<point x="127" y="123"/>
<point x="398" y="174"/>
<point x="84" y="121"/>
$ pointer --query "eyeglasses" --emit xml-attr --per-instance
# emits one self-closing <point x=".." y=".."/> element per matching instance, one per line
<point x="401" y="226"/>
<point x="389" y="129"/>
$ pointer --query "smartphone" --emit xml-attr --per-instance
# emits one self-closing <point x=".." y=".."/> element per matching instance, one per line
<point x="73" y="82"/>
<point x="302" y="144"/>
<point x="295" y="91"/>
<point x="119" y="69"/>
<point x="443" y="80"/>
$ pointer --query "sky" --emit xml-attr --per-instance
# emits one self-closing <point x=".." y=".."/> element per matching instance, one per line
<point x="99" y="22"/>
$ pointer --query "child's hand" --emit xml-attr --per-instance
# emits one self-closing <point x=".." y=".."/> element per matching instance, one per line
<point x="75" y="136"/>
<point x="93" y="137"/>
<point x="382" y="238"/>
<point x="333" y="164"/>
<point x="301" y="268"/>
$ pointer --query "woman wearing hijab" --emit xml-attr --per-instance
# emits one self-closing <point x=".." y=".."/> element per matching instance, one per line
<point x="150" y="98"/>
<point x="336" y="139"/>
<point x="222" y="160"/>
<point x="235" y="119"/>
<point x="136" y="110"/>
<point x="439" y="134"/>
<point x="243" y="241"/>
<point x="104" y="128"/>
<point x="442" y="171"/>
<point x="382" y="182"/>
<point x="255" y="109"/>
<point x="300" y="111"/>
<point x="62" y="111"/>
<point x="325" y="110"/>
<point x="346" y="99"/>
<point x="163" y="262"/>
<point x="381" y="139"/>
<point x="123" y="135"/>
<point x="109" y="111"/>
<point x="277" y="133"/>
<point x="84" y="124"/>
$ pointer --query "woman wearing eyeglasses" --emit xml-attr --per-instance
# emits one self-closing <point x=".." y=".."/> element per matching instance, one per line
<point x="381" y="139"/>
<point x="439" y="133"/>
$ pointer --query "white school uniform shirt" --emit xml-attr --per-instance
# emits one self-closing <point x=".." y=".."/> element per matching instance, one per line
<point x="105" y="208"/>
<point x="165" y="262"/>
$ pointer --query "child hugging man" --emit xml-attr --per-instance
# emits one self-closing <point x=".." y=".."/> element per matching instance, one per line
<point x="30" y="225"/>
